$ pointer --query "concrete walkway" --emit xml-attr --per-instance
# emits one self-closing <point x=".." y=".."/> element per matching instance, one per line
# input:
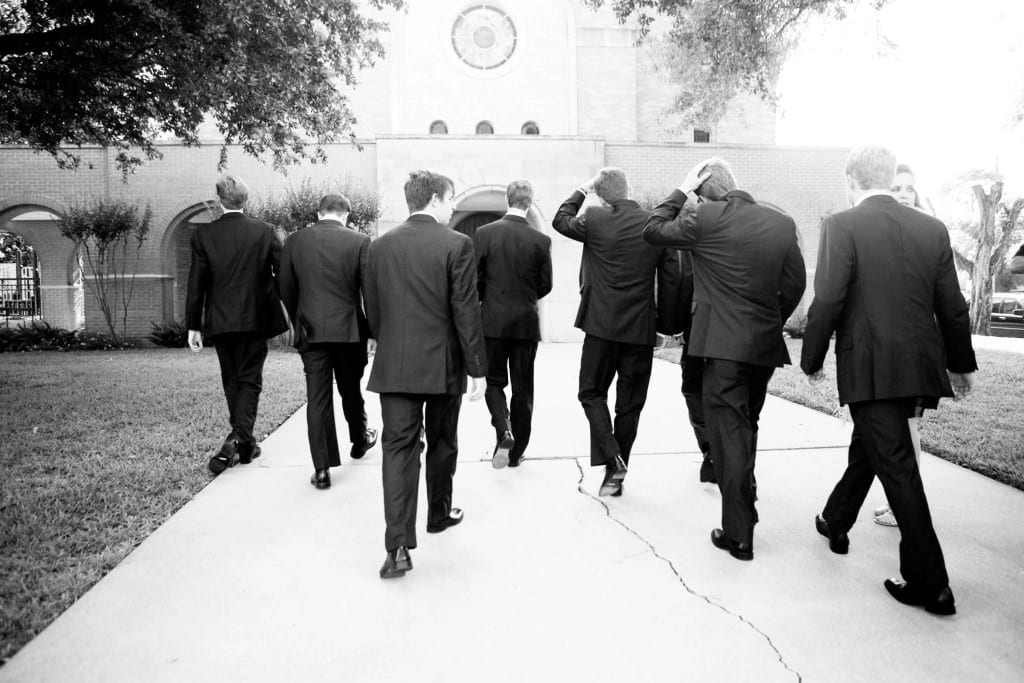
<point x="263" y="578"/>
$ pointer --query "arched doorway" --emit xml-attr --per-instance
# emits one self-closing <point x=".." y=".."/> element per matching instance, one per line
<point x="39" y="277"/>
<point x="176" y="254"/>
<point x="469" y="222"/>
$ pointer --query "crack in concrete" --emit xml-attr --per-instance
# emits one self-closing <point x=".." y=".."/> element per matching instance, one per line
<point x="682" y="581"/>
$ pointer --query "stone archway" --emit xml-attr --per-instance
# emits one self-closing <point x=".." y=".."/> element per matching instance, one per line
<point x="176" y="254"/>
<point x="61" y="298"/>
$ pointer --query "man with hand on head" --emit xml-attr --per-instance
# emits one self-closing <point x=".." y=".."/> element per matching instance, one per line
<point x="748" y="277"/>
<point x="322" y="271"/>
<point x="619" y="313"/>
<point x="886" y="286"/>
<point x="233" y="300"/>
<point x="424" y="312"/>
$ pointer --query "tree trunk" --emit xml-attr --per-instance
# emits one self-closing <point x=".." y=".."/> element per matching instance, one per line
<point x="981" y="278"/>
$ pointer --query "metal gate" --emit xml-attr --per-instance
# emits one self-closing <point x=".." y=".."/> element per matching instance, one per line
<point x="19" y="287"/>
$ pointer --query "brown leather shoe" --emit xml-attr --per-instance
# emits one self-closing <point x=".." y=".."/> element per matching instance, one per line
<point x="396" y="564"/>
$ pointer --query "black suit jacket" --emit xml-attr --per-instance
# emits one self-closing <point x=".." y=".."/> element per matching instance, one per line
<point x="618" y="273"/>
<point x="321" y="278"/>
<point x="231" y="283"/>
<point x="513" y="266"/>
<point x="423" y="309"/>
<point x="886" y="285"/>
<point x="748" y="274"/>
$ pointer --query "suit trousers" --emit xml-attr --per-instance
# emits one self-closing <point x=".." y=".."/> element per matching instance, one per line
<point x="734" y="394"/>
<point x="241" y="356"/>
<point x="693" y="395"/>
<point x="882" y="445"/>
<point x="513" y="357"/>
<point x="600" y="362"/>
<point x="402" y="443"/>
<point x="323" y="364"/>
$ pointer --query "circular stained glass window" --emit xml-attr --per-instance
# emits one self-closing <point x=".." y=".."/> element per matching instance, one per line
<point x="484" y="37"/>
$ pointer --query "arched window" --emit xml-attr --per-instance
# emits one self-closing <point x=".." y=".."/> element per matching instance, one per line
<point x="438" y="127"/>
<point x="530" y="128"/>
<point x="484" y="128"/>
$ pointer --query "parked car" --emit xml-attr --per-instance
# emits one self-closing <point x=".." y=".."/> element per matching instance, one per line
<point x="1008" y="307"/>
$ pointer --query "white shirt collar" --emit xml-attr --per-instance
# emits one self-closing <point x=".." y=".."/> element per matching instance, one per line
<point x="232" y="210"/>
<point x="513" y="211"/>
<point x="424" y="213"/>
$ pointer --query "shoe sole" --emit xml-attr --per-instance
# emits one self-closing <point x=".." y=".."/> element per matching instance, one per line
<point x="500" y="457"/>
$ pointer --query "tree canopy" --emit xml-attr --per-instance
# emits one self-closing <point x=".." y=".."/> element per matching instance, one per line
<point x="271" y="73"/>
<point x="715" y="49"/>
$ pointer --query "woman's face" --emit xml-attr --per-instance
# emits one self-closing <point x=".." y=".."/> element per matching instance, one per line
<point x="903" y="189"/>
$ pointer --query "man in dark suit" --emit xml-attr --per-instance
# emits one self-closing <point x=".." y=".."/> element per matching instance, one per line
<point x="748" y="277"/>
<point x="321" y="279"/>
<point x="618" y="313"/>
<point x="232" y="298"/>
<point x="424" y="312"/>
<point x="692" y="368"/>
<point x="513" y="264"/>
<point x="886" y="285"/>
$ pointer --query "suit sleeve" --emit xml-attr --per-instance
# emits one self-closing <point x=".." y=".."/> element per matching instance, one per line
<point x="670" y="309"/>
<point x="794" y="280"/>
<point x="952" y="314"/>
<point x="198" y="284"/>
<point x="836" y="264"/>
<point x="465" y="306"/>
<point x="674" y="222"/>
<point x="481" y="264"/>
<point x="566" y="220"/>
<point x="370" y="298"/>
<point x="275" y="257"/>
<point x="544" y="284"/>
<point x="287" y="282"/>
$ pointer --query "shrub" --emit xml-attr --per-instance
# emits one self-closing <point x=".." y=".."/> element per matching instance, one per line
<point x="296" y="208"/>
<point x="173" y="335"/>
<point x="42" y="336"/>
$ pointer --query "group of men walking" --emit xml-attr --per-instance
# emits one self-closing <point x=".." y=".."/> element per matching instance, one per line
<point x="446" y="311"/>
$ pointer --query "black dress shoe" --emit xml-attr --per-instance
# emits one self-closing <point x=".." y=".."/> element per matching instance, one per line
<point x="939" y="602"/>
<point x="369" y="441"/>
<point x="226" y="457"/>
<point x="741" y="551"/>
<point x="246" y="454"/>
<point x="454" y="517"/>
<point x="396" y="564"/>
<point x="515" y="462"/>
<point x="618" y="492"/>
<point x="838" y="541"/>
<point x="501" y="450"/>
<point x="614" y="473"/>
<point x="321" y="479"/>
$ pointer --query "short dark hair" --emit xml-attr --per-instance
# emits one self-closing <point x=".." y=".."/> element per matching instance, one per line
<point x="872" y="167"/>
<point x="422" y="185"/>
<point x="721" y="182"/>
<point x="334" y="203"/>
<point x="232" y="192"/>
<point x="611" y="184"/>
<point x="519" y="194"/>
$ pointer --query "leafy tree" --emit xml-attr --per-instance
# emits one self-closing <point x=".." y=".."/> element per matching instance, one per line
<point x="715" y="49"/>
<point x="981" y="245"/>
<point x="104" y="232"/>
<point x="119" y="73"/>
<point x="296" y="207"/>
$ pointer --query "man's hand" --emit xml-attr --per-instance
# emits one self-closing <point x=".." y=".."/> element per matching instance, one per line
<point x="195" y="340"/>
<point x="588" y="186"/>
<point x="371" y="347"/>
<point x="816" y="378"/>
<point x="476" y="388"/>
<point x="695" y="177"/>
<point x="962" y="383"/>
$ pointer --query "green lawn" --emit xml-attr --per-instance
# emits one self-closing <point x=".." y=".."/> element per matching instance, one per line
<point x="97" y="449"/>
<point x="983" y="432"/>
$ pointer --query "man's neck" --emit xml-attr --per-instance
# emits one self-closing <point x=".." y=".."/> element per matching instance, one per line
<point x="874" y="192"/>
<point x="513" y="211"/>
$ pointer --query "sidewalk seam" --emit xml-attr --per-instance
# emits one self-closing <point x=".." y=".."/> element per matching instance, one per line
<point x="682" y="581"/>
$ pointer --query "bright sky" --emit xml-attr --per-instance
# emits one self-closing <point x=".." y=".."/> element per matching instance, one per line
<point x="938" y="87"/>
